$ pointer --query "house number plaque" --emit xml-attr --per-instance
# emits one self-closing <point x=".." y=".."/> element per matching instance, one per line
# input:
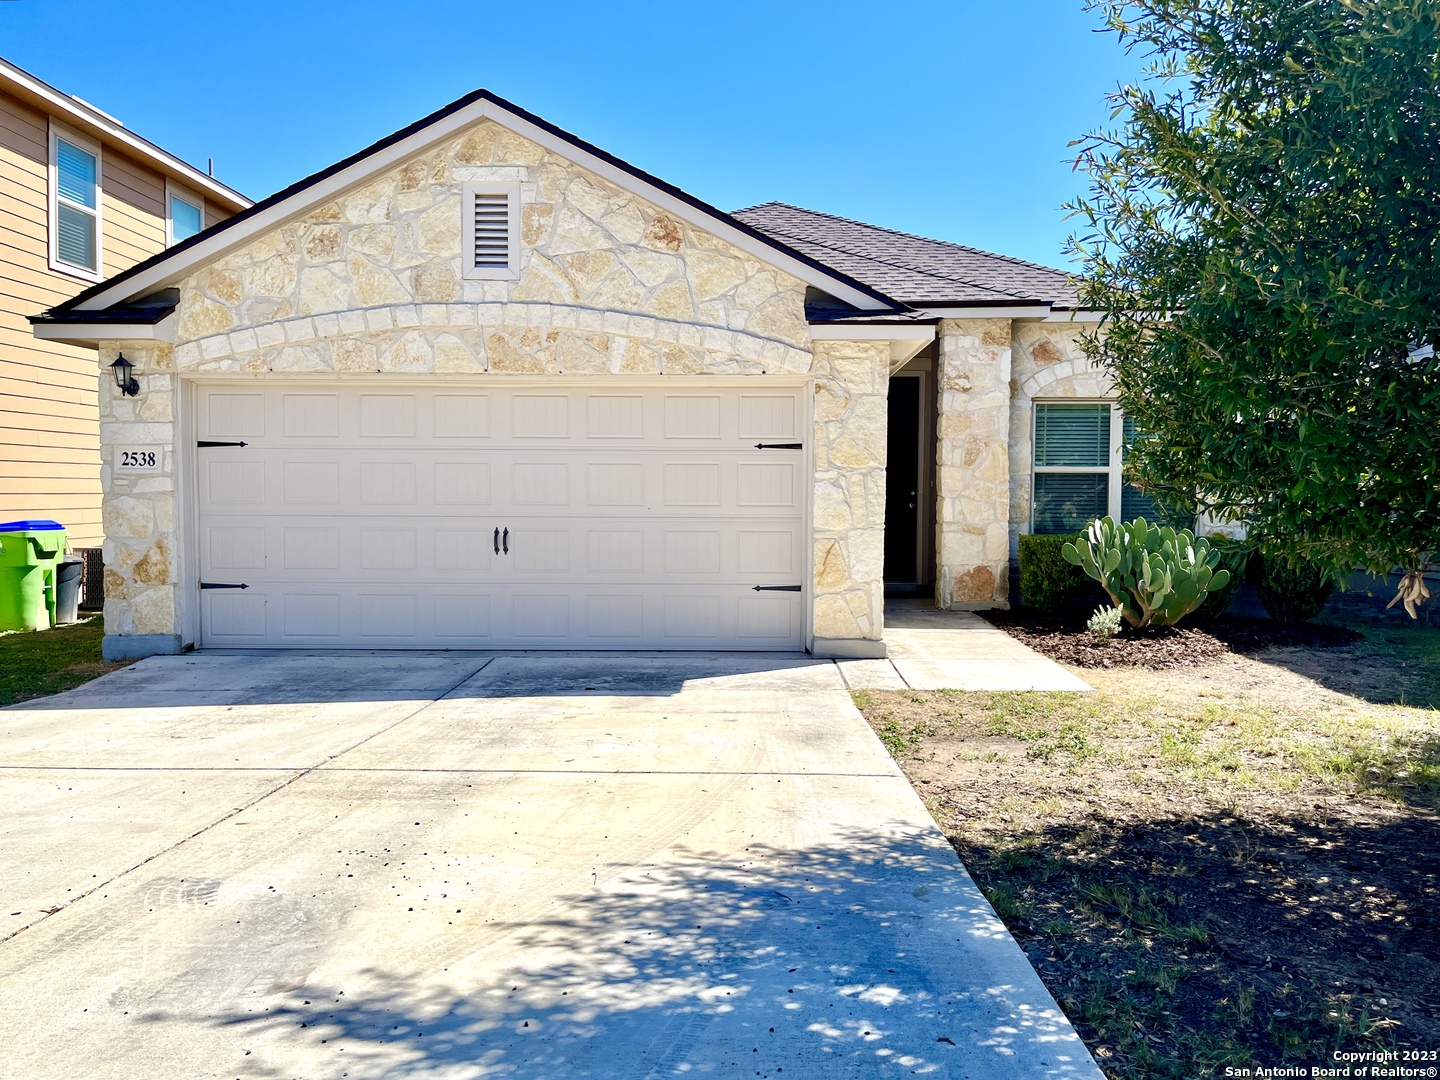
<point x="138" y="459"/>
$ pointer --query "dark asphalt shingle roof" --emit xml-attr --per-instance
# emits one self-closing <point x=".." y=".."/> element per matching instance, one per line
<point x="912" y="269"/>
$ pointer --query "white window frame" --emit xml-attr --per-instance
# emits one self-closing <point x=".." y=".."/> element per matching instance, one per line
<point x="511" y="270"/>
<point x="58" y="132"/>
<point x="175" y="191"/>
<point x="1115" y="470"/>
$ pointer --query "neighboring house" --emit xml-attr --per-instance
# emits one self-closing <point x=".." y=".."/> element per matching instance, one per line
<point x="81" y="199"/>
<point x="485" y="385"/>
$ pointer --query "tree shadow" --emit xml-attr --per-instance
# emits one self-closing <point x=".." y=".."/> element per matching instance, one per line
<point x="1184" y="945"/>
<point x="872" y="955"/>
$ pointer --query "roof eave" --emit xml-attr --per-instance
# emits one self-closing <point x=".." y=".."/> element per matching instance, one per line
<point x="89" y="333"/>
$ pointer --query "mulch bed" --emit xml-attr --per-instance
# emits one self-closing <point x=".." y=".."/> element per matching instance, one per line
<point x="1065" y="638"/>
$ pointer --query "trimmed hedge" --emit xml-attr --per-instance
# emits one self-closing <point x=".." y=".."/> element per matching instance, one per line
<point x="1290" y="594"/>
<point x="1047" y="582"/>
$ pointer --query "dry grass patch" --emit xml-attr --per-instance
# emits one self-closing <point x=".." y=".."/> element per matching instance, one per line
<point x="1236" y="864"/>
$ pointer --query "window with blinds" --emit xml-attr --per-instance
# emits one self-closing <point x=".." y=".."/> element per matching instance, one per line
<point x="186" y="218"/>
<point x="491" y="213"/>
<point x="1079" y="461"/>
<point x="75" y="212"/>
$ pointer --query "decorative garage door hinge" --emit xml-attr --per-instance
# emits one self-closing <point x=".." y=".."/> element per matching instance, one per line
<point x="777" y="588"/>
<point x="209" y="442"/>
<point x="220" y="585"/>
<point x="779" y="446"/>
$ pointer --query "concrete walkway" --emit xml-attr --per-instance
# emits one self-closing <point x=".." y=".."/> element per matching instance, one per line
<point x="440" y="865"/>
<point x="953" y="650"/>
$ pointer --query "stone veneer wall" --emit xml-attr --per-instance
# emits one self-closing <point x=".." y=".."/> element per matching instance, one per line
<point x="139" y="509"/>
<point x="852" y="382"/>
<point x="973" y="464"/>
<point x="1047" y="365"/>
<point x="609" y="285"/>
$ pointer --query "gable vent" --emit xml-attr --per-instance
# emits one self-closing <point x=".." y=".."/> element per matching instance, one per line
<point x="492" y="231"/>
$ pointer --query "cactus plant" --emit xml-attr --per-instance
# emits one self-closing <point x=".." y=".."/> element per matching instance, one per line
<point x="1155" y="576"/>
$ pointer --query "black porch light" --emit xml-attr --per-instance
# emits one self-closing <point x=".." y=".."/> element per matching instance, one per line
<point x="128" y="384"/>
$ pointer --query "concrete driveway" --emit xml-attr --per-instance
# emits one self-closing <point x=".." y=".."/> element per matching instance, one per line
<point x="450" y="865"/>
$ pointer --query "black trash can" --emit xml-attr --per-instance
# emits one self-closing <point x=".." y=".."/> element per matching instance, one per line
<point x="69" y="576"/>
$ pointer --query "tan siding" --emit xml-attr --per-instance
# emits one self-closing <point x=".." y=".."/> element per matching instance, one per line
<point x="49" y="410"/>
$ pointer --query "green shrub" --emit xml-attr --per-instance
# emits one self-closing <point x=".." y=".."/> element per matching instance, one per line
<point x="1047" y="582"/>
<point x="1290" y="593"/>
<point x="1156" y="576"/>
<point x="1234" y="557"/>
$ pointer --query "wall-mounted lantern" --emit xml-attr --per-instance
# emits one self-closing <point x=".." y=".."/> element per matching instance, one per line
<point x="128" y="384"/>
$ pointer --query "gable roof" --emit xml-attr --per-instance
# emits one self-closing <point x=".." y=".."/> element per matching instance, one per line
<point x="914" y="269"/>
<point x="108" y="131"/>
<point x="170" y="266"/>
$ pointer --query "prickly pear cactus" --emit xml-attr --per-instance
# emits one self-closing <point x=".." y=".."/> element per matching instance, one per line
<point x="1156" y="576"/>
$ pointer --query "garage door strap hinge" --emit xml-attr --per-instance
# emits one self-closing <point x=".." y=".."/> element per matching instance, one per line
<point x="209" y="442"/>
<point x="220" y="585"/>
<point x="779" y="446"/>
<point x="777" y="588"/>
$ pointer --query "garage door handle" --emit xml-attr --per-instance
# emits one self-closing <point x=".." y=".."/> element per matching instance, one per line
<point x="505" y="542"/>
<point x="211" y="442"/>
<point x="779" y="446"/>
<point x="777" y="588"/>
<point x="220" y="585"/>
<point x="497" y="540"/>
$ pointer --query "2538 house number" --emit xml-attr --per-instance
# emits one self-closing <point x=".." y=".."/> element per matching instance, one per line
<point x="133" y="459"/>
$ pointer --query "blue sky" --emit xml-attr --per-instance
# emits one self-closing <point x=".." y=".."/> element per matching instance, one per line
<point x="945" y="119"/>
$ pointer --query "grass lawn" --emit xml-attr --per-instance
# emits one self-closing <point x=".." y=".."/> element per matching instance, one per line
<point x="47" y="662"/>
<point x="1236" y="864"/>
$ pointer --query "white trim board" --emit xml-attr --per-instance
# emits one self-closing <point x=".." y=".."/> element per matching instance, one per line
<point x="167" y="271"/>
<point x="90" y="335"/>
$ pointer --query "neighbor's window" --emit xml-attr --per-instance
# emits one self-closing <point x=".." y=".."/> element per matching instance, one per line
<point x="75" y="206"/>
<point x="185" y="218"/>
<point x="1079" y="455"/>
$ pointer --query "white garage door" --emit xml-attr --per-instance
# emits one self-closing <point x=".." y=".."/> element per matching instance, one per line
<point x="527" y="517"/>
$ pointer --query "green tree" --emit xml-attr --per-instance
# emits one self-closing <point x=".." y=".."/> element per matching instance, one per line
<point x="1262" y="236"/>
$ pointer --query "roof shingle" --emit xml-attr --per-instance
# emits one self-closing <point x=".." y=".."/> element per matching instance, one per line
<point x="911" y="269"/>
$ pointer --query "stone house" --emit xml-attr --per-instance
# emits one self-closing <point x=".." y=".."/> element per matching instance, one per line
<point x="485" y="385"/>
<point x="81" y="198"/>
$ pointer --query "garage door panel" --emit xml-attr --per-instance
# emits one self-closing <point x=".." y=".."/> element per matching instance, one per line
<point x="387" y="416"/>
<point x="633" y="518"/>
<point x="310" y="416"/>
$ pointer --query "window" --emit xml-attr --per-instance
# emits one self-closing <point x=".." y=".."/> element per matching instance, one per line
<point x="74" y="205"/>
<point x="1079" y="455"/>
<point x="490" y="222"/>
<point x="184" y="215"/>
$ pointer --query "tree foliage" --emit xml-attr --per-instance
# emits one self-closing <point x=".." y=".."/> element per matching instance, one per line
<point x="1262" y="237"/>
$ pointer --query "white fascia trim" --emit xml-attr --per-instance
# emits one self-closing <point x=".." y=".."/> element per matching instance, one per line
<point x="1079" y="315"/>
<point x="169" y="271"/>
<point x="90" y="335"/>
<point x="873" y="332"/>
<point x="1013" y="311"/>
<point x="86" y="116"/>
<point x="1031" y="312"/>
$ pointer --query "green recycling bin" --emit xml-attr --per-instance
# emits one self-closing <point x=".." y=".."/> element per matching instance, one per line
<point x="29" y="553"/>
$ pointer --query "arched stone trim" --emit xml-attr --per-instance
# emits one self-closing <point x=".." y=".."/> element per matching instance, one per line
<point x="1070" y="378"/>
<point x="462" y="337"/>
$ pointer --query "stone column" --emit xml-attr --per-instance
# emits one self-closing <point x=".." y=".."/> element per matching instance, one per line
<point x="138" y="509"/>
<point x="973" y="465"/>
<point x="851" y="415"/>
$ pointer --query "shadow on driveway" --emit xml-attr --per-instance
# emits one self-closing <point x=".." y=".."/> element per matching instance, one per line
<point x="872" y="956"/>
